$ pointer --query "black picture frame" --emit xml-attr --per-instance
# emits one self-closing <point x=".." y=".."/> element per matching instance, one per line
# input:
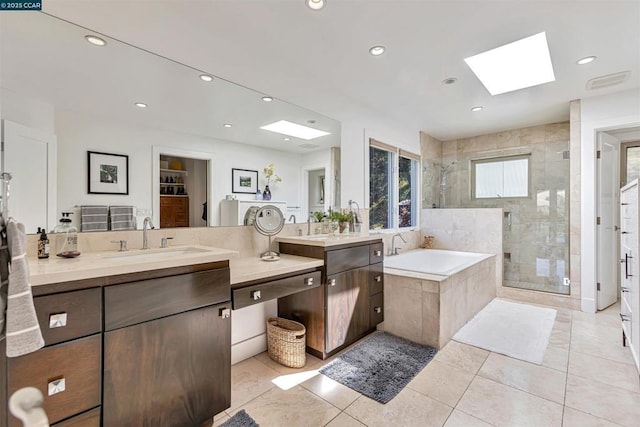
<point x="107" y="173"/>
<point x="244" y="181"/>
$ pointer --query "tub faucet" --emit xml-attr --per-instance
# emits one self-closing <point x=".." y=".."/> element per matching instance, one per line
<point x="394" y="250"/>
<point x="145" y="238"/>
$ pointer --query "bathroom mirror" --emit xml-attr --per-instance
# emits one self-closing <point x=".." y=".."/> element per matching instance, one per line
<point x="269" y="222"/>
<point x="89" y="98"/>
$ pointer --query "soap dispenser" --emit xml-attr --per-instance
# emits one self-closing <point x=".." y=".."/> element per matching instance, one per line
<point x="66" y="237"/>
<point x="43" y="244"/>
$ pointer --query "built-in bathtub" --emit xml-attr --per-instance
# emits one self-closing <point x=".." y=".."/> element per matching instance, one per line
<point x="429" y="294"/>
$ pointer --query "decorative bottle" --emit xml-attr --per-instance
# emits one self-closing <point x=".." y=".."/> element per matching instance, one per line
<point x="267" y="193"/>
<point x="66" y="237"/>
<point x="43" y="244"/>
<point x="258" y="195"/>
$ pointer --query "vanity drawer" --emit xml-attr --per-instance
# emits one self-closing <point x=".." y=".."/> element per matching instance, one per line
<point x="75" y="364"/>
<point x="69" y="315"/>
<point x="376" y="253"/>
<point x="376" y="310"/>
<point x="340" y="260"/>
<point x="138" y="302"/>
<point x="255" y="294"/>
<point x="88" y="419"/>
<point x="376" y="279"/>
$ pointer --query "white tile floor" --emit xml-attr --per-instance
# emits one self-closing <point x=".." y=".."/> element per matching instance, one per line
<point x="587" y="379"/>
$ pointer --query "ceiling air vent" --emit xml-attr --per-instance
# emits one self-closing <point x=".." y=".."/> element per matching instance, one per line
<point x="308" y="146"/>
<point x="608" y="80"/>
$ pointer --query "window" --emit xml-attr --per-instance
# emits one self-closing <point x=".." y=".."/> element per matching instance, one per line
<point x="500" y="177"/>
<point x="393" y="197"/>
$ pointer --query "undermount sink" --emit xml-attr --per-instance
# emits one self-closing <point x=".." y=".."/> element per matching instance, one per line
<point x="154" y="254"/>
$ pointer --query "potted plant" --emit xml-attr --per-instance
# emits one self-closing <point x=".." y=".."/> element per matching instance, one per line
<point x="343" y="218"/>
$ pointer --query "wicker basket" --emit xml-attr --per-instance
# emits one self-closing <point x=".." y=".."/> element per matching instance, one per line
<point x="286" y="342"/>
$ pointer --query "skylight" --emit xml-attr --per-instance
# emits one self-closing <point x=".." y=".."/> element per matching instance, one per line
<point x="518" y="65"/>
<point x="293" y="129"/>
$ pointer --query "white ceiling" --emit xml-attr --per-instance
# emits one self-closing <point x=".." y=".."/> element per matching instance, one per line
<point x="320" y="59"/>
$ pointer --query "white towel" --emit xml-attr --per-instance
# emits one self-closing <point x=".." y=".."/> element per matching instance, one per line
<point x="22" y="330"/>
<point x="122" y="218"/>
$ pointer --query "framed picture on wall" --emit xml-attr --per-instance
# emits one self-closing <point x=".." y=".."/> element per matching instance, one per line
<point x="108" y="173"/>
<point x="244" y="181"/>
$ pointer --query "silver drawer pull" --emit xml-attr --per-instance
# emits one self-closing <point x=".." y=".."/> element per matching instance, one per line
<point x="308" y="281"/>
<point x="377" y="253"/>
<point x="378" y="310"/>
<point x="256" y="295"/>
<point x="57" y="320"/>
<point x="225" y="313"/>
<point x="332" y="282"/>
<point x="378" y="278"/>
<point x="625" y="317"/>
<point x="56" y="386"/>
<point x="623" y="289"/>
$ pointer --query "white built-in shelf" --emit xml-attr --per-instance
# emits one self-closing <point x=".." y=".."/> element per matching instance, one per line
<point x="175" y="171"/>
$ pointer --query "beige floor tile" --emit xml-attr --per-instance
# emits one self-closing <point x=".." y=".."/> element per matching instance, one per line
<point x="502" y="405"/>
<point x="601" y="318"/>
<point x="560" y="339"/>
<point x="607" y="346"/>
<point x="462" y="356"/>
<point x="312" y="363"/>
<point x="442" y="382"/>
<point x="535" y="379"/>
<point x="574" y="418"/>
<point x="294" y="407"/>
<point x="332" y="391"/>
<point x="556" y="358"/>
<point x="562" y="325"/>
<point x="460" y="419"/>
<point x="408" y="408"/>
<point x="220" y="420"/>
<point x="603" y="401"/>
<point x="606" y="371"/>
<point x="249" y="379"/>
<point x="344" y="420"/>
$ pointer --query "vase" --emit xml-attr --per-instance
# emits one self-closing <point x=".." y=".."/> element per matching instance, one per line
<point x="266" y="195"/>
<point x="344" y="227"/>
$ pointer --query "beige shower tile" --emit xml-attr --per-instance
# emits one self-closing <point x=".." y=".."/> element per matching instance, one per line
<point x="442" y="382"/>
<point x="408" y="408"/>
<point x="535" y="379"/>
<point x="502" y="405"/>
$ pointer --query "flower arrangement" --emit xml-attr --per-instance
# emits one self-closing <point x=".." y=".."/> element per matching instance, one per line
<point x="269" y="174"/>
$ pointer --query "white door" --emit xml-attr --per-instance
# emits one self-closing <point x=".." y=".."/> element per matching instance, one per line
<point x="30" y="156"/>
<point x="607" y="235"/>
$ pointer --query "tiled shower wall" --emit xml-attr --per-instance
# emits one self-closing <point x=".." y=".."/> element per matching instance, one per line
<point x="536" y="243"/>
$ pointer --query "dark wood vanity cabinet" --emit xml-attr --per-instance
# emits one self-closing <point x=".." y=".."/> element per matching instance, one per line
<point x="150" y="348"/>
<point x="349" y="303"/>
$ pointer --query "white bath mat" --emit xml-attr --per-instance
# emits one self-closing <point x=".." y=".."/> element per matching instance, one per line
<point x="516" y="330"/>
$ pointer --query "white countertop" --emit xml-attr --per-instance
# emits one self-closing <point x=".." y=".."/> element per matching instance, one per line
<point x="326" y="240"/>
<point x="253" y="268"/>
<point x="100" y="264"/>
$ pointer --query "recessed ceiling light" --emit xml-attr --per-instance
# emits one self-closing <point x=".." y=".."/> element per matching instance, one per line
<point x="518" y="65"/>
<point x="141" y="104"/>
<point x="287" y="139"/>
<point x="228" y="125"/>
<point x="293" y="129"/>
<point x="316" y="4"/>
<point x="449" y="80"/>
<point x="478" y="108"/>
<point x="311" y="121"/>
<point x="585" y="60"/>
<point x="377" y="50"/>
<point x="95" y="40"/>
<point x="206" y="77"/>
<point x="267" y="98"/>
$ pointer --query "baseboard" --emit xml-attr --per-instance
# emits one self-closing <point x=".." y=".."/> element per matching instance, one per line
<point x="248" y="348"/>
<point x="589" y="305"/>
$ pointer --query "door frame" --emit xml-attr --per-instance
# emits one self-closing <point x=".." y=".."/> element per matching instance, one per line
<point x="155" y="172"/>
<point x="304" y="191"/>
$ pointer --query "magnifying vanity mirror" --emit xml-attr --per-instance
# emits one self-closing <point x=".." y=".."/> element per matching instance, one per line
<point x="269" y="222"/>
<point x="181" y="135"/>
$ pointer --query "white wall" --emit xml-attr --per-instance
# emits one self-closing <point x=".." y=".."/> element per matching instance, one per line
<point x="79" y="133"/>
<point x="27" y="111"/>
<point x="607" y="112"/>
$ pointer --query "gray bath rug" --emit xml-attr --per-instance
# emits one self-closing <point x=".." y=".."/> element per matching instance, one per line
<point x="240" y="419"/>
<point x="380" y="366"/>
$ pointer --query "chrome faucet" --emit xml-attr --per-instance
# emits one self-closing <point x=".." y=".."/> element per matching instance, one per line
<point x="292" y="217"/>
<point x="310" y="219"/>
<point x="394" y="250"/>
<point x="145" y="238"/>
